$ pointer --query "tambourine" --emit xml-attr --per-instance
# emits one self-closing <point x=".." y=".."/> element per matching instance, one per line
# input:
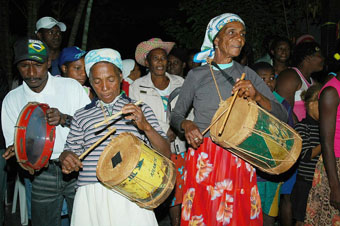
<point x="34" y="137"/>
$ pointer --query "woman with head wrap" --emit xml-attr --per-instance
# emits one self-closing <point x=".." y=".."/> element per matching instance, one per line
<point x="219" y="188"/>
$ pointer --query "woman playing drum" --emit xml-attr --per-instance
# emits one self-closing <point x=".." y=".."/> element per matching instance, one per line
<point x="94" y="203"/>
<point x="220" y="188"/>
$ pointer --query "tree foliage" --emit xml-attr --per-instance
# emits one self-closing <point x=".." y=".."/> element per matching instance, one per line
<point x="262" y="18"/>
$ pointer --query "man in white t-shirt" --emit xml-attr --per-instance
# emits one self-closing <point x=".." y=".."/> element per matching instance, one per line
<point x="64" y="96"/>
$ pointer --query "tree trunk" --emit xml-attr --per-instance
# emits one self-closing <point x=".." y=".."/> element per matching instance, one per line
<point x="86" y="24"/>
<point x="6" y="50"/>
<point x="32" y="16"/>
<point x="76" y="22"/>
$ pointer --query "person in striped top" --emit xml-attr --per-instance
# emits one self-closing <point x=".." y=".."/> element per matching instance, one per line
<point x="94" y="203"/>
<point x="308" y="129"/>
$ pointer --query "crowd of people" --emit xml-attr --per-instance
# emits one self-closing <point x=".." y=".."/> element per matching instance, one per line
<point x="180" y="94"/>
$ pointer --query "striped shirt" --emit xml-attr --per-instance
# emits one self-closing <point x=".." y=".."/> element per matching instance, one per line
<point x="308" y="129"/>
<point x="83" y="134"/>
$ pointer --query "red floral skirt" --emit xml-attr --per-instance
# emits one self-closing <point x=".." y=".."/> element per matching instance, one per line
<point x="219" y="189"/>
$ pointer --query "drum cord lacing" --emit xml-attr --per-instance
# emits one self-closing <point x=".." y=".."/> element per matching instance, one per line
<point x="249" y="153"/>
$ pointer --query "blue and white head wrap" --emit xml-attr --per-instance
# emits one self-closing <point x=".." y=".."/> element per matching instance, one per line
<point x="99" y="55"/>
<point x="214" y="26"/>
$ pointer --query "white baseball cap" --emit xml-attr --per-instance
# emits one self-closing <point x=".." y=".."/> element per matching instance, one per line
<point x="49" y="22"/>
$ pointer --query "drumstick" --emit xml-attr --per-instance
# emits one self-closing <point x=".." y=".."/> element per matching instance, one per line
<point x="213" y="123"/>
<point x="113" y="116"/>
<point x="95" y="144"/>
<point x="229" y="110"/>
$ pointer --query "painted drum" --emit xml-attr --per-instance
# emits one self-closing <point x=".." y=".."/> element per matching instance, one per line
<point x="136" y="171"/>
<point x="256" y="136"/>
<point x="34" y="137"/>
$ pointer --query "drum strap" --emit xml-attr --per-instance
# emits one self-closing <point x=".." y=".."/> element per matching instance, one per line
<point x="225" y="74"/>
<point x="228" y="77"/>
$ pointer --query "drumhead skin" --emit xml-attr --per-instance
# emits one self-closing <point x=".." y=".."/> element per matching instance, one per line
<point x="136" y="171"/>
<point x="34" y="137"/>
<point x="257" y="136"/>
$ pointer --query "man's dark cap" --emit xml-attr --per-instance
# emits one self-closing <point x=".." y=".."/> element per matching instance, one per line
<point x="30" y="49"/>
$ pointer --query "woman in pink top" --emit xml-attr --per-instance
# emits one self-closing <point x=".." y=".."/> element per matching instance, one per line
<point x="323" y="204"/>
<point x="307" y="59"/>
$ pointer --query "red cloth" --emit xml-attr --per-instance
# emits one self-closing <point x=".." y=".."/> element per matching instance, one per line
<point x="219" y="189"/>
<point x="125" y="87"/>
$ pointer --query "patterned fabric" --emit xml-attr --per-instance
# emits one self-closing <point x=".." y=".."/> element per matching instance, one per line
<point x="83" y="134"/>
<point x="224" y="189"/>
<point x="319" y="211"/>
<point x="99" y="55"/>
<point x="165" y="102"/>
<point x="214" y="26"/>
<point x="179" y="160"/>
<point x="145" y="47"/>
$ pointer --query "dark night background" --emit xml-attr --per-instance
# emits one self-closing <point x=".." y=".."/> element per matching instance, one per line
<point x="120" y="25"/>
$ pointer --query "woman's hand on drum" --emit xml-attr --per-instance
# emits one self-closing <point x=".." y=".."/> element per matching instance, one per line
<point x="10" y="151"/>
<point x="192" y="133"/>
<point x="70" y="162"/>
<point x="135" y="113"/>
<point x="245" y="89"/>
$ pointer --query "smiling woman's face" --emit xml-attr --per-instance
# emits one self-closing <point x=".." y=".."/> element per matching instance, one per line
<point x="230" y="39"/>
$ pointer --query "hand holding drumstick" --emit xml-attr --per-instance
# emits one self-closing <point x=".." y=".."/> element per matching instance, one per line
<point x="71" y="162"/>
<point x="113" y="116"/>
<point x="246" y="89"/>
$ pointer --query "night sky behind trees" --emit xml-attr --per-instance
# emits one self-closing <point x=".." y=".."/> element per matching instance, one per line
<point x="121" y="25"/>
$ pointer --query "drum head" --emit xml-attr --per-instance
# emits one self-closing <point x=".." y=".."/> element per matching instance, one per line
<point x="242" y="113"/>
<point x="118" y="159"/>
<point x="35" y="135"/>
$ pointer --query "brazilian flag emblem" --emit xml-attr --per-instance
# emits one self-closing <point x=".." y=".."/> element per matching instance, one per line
<point x="37" y="51"/>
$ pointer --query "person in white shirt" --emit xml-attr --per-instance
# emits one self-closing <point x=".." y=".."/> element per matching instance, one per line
<point x="64" y="96"/>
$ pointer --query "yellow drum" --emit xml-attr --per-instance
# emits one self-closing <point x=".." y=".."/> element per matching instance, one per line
<point x="256" y="136"/>
<point x="136" y="171"/>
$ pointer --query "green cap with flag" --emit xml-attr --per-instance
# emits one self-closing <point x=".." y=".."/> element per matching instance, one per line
<point x="30" y="49"/>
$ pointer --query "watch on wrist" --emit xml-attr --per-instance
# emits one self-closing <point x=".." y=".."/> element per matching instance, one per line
<point x="68" y="120"/>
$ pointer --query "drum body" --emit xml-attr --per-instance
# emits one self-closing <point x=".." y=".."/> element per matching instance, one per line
<point x="136" y="171"/>
<point x="34" y="137"/>
<point x="256" y="136"/>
